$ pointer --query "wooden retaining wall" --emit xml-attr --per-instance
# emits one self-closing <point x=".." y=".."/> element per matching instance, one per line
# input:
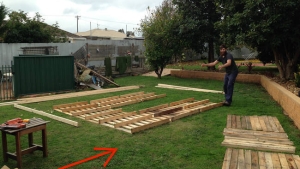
<point x="288" y="101"/>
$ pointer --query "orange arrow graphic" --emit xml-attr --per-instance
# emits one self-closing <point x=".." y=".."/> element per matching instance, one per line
<point x="107" y="151"/>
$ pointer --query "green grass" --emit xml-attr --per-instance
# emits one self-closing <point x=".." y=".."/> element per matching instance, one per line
<point x="192" y="142"/>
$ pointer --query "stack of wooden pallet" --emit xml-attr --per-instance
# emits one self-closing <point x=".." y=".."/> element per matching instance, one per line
<point x="261" y="133"/>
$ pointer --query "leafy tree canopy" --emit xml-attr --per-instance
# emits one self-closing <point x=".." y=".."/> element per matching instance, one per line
<point x="160" y="30"/>
<point x="265" y="25"/>
<point x="22" y="29"/>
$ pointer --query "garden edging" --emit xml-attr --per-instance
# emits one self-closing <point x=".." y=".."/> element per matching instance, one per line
<point x="287" y="100"/>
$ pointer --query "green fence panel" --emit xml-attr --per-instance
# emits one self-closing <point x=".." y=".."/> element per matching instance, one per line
<point x="42" y="74"/>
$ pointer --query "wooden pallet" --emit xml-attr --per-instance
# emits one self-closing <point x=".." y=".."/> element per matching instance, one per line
<point x="258" y="123"/>
<point x="249" y="159"/>
<point x="256" y="132"/>
<point x="136" y="123"/>
<point x="181" y="108"/>
<point x="119" y="101"/>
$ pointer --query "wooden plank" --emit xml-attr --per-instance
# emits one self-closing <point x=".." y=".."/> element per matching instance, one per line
<point x="153" y="108"/>
<point x="262" y="159"/>
<point x="233" y="121"/>
<point x="228" y="125"/>
<point x="132" y="94"/>
<point x="116" y="117"/>
<point x="240" y="132"/>
<point x="181" y="101"/>
<point x="275" y="160"/>
<point x="249" y="126"/>
<point x="278" y="125"/>
<point x="244" y="123"/>
<point x="268" y="125"/>
<point x="164" y="112"/>
<point x="98" y="114"/>
<point x="297" y="160"/>
<point x="268" y="157"/>
<point x="290" y="160"/>
<point x="124" y="103"/>
<point x="241" y="159"/>
<point x="69" y="104"/>
<point x="80" y="108"/>
<point x="262" y="123"/>
<point x="258" y="145"/>
<point x="64" y="120"/>
<point x="150" y="125"/>
<point x="238" y="122"/>
<point x="124" y="123"/>
<point x="197" y="103"/>
<point x="97" y="109"/>
<point x="257" y="124"/>
<point x="227" y="157"/>
<point x="103" y="99"/>
<point x="247" y="159"/>
<point x="254" y="160"/>
<point x="263" y="139"/>
<point x="272" y="123"/>
<point x="181" y="114"/>
<point x="234" y="159"/>
<point x="210" y="106"/>
<point x="110" y="102"/>
<point x="76" y="94"/>
<point x="252" y="120"/>
<point x="283" y="161"/>
<point x="187" y="88"/>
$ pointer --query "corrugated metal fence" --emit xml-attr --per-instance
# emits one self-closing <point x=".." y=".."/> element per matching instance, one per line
<point x="41" y="74"/>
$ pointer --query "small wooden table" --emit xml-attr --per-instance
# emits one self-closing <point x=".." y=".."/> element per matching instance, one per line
<point x="35" y="124"/>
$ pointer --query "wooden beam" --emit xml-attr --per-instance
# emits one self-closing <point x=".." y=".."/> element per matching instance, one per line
<point x="61" y="119"/>
<point x="97" y="74"/>
<point x="69" y="105"/>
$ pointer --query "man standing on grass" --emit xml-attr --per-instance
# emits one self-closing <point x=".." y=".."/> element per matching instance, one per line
<point x="231" y="72"/>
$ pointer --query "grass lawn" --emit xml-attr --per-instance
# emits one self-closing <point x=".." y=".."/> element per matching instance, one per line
<point x="192" y="142"/>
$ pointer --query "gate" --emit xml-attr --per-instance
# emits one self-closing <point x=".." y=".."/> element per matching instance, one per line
<point x="6" y="83"/>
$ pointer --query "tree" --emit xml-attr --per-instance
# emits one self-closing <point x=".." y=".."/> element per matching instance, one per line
<point x="121" y="30"/>
<point x="197" y="26"/>
<point x="160" y="30"/>
<point x="3" y="13"/>
<point x="22" y="29"/>
<point x="272" y="25"/>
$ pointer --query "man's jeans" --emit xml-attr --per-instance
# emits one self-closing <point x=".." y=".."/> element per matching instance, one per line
<point x="229" y="85"/>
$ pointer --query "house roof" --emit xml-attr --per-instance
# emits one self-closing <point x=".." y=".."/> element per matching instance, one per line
<point x="102" y="33"/>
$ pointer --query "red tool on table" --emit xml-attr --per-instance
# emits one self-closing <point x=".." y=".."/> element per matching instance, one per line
<point x="16" y="123"/>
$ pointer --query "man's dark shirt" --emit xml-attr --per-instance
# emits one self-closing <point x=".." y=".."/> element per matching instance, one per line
<point x="232" y="67"/>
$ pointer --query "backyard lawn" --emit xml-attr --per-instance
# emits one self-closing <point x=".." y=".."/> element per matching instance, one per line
<point x="193" y="142"/>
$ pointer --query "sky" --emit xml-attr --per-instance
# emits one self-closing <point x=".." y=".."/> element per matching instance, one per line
<point x="92" y="14"/>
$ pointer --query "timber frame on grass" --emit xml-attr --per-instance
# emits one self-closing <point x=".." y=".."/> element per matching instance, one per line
<point x="101" y="111"/>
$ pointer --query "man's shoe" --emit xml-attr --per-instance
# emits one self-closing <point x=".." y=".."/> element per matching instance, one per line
<point x="226" y="103"/>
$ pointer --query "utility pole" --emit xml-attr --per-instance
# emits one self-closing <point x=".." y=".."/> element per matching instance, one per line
<point x="98" y="25"/>
<point x="77" y="21"/>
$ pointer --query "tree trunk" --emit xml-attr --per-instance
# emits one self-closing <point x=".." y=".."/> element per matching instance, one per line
<point x="286" y="67"/>
<point x="159" y="72"/>
<point x="211" y="54"/>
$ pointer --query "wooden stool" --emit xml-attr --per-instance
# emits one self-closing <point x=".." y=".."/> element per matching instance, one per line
<point x="35" y="124"/>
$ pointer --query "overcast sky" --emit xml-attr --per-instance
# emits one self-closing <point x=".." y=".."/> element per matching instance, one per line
<point x="110" y="14"/>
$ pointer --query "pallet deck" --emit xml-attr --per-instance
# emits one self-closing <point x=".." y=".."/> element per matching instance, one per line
<point x="249" y="159"/>
<point x="102" y="111"/>
<point x="258" y="123"/>
<point x="262" y="133"/>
